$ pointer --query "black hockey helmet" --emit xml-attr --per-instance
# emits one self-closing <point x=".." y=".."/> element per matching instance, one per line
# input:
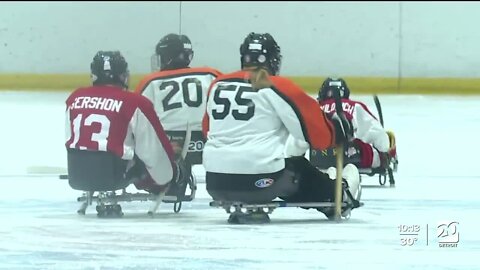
<point x="261" y="50"/>
<point x="174" y="51"/>
<point x="333" y="84"/>
<point x="109" y="67"/>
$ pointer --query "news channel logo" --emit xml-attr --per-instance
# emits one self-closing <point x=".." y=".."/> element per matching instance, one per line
<point x="448" y="234"/>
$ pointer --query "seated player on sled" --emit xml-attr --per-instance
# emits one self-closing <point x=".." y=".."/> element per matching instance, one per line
<point x="372" y="147"/>
<point x="178" y="93"/>
<point x="250" y="115"/>
<point x="114" y="138"/>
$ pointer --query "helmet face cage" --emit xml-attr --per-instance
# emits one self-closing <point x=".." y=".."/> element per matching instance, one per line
<point x="109" y="67"/>
<point x="155" y="62"/>
<point x="333" y="84"/>
<point x="261" y="50"/>
<point x="172" y="52"/>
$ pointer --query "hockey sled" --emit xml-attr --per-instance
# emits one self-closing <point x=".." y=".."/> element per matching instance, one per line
<point x="243" y="213"/>
<point x="327" y="158"/>
<point x="101" y="177"/>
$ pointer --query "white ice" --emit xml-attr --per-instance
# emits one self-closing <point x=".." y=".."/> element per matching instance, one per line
<point x="437" y="181"/>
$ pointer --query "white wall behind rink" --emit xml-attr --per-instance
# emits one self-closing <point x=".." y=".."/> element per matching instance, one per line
<point x="385" y="39"/>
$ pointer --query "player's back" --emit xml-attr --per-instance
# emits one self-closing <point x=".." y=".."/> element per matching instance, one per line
<point x="100" y="117"/>
<point x="238" y="112"/>
<point x="248" y="128"/>
<point x="366" y="126"/>
<point x="179" y="95"/>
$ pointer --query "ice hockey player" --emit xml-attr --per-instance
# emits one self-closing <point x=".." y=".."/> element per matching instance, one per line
<point x="250" y="115"/>
<point x="179" y="92"/>
<point x="107" y="117"/>
<point x="372" y="145"/>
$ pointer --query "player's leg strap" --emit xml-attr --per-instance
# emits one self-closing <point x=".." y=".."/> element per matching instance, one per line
<point x="355" y="203"/>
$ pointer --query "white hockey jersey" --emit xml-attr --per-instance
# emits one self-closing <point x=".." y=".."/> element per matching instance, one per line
<point x="247" y="129"/>
<point x="179" y="96"/>
<point x="366" y="127"/>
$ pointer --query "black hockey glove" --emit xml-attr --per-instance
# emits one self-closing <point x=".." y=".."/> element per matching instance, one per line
<point x="343" y="128"/>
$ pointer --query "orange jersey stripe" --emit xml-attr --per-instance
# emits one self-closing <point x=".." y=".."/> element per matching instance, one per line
<point x="316" y="127"/>
<point x="235" y="75"/>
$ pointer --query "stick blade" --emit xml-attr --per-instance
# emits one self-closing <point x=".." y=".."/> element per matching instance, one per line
<point x="186" y="143"/>
<point x="379" y="108"/>
<point x="46" y="170"/>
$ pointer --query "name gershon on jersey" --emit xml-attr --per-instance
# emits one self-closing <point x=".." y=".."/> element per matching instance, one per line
<point x="107" y="118"/>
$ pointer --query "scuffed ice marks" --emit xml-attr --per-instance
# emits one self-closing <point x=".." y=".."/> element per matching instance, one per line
<point x="39" y="227"/>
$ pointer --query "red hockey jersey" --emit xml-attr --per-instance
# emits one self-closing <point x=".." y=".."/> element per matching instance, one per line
<point x="107" y="118"/>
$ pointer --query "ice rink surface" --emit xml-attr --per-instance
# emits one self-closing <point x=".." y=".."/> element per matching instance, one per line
<point x="437" y="183"/>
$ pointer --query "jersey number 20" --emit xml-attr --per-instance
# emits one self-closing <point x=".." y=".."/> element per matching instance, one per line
<point x="175" y="87"/>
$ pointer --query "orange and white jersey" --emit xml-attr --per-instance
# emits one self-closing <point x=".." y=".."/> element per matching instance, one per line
<point x="247" y="130"/>
<point x="179" y="96"/>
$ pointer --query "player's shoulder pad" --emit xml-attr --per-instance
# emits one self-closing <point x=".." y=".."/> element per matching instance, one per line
<point x="140" y="101"/>
<point x="286" y="86"/>
<point x="146" y="80"/>
<point x="240" y="75"/>
<point x="236" y="76"/>
<point x="363" y="106"/>
<point x="75" y="93"/>
<point x="210" y="70"/>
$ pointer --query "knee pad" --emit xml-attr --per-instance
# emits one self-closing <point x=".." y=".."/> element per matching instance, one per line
<point x="366" y="154"/>
<point x="352" y="177"/>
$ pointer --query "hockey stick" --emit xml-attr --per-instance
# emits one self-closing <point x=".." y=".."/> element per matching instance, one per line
<point x="339" y="158"/>
<point x="45" y="170"/>
<point x="380" y="114"/>
<point x="188" y="137"/>
<point x="379" y="108"/>
<point x="61" y="172"/>
<point x="183" y="154"/>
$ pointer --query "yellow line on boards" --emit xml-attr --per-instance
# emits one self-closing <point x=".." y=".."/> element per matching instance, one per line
<point x="311" y="84"/>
